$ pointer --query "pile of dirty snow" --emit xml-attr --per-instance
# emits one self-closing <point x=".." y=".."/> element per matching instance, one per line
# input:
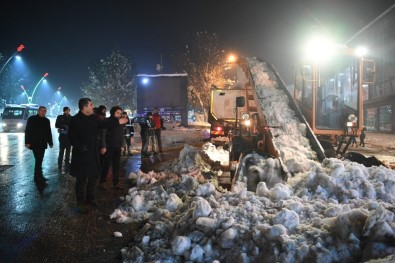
<point x="338" y="211"/>
<point x="289" y="134"/>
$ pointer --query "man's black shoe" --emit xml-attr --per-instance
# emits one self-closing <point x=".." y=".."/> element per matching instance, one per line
<point x="40" y="179"/>
<point x="82" y="208"/>
<point x="92" y="203"/>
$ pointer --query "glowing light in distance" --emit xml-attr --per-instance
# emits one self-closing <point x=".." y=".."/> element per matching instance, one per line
<point x="145" y="81"/>
<point x="361" y="51"/>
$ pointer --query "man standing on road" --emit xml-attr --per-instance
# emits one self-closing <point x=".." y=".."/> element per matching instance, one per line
<point x="62" y="124"/>
<point x="114" y="142"/>
<point x="158" y="121"/>
<point x="37" y="136"/>
<point x="83" y="134"/>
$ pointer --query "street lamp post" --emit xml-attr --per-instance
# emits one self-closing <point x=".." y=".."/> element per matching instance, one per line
<point x="60" y="103"/>
<point x="34" y="90"/>
<point x="24" y="92"/>
<point x="18" y="49"/>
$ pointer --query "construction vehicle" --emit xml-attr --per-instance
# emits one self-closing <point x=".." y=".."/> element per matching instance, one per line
<point x="259" y="128"/>
<point x="330" y="96"/>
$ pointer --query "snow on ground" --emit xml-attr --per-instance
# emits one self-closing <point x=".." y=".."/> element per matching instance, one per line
<point x="334" y="211"/>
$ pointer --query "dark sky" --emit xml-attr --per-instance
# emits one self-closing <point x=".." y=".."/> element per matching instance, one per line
<point x="64" y="37"/>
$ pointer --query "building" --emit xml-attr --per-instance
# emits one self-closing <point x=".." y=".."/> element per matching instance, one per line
<point x="379" y="98"/>
<point x="167" y="92"/>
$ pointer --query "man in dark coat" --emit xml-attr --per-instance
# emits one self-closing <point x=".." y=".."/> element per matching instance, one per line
<point x="62" y="124"/>
<point x="83" y="134"/>
<point x="114" y="143"/>
<point x="37" y="136"/>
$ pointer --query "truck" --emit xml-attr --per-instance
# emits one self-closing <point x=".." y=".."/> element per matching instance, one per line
<point x="270" y="120"/>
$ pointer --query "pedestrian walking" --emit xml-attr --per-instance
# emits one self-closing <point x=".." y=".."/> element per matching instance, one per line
<point x="37" y="137"/>
<point x="62" y="124"/>
<point x="114" y="141"/>
<point x="158" y="121"/>
<point x="83" y="135"/>
<point x="362" y="137"/>
<point x="147" y="134"/>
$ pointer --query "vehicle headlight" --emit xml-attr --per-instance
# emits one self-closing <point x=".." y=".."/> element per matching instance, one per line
<point x="352" y="118"/>
<point x="3" y="124"/>
<point x="19" y="125"/>
<point x="245" y="116"/>
<point x="247" y="122"/>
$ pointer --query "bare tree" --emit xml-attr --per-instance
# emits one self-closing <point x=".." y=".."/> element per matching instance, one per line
<point x="205" y="63"/>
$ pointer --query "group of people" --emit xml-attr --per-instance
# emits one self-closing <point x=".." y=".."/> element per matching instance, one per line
<point x="151" y="129"/>
<point x="96" y="143"/>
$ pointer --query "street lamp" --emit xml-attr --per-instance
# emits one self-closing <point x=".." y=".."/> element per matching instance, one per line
<point x="60" y="103"/>
<point x="18" y="49"/>
<point x="38" y="83"/>
<point x="24" y="92"/>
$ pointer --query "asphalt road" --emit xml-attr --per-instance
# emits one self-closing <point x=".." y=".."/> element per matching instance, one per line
<point x="41" y="224"/>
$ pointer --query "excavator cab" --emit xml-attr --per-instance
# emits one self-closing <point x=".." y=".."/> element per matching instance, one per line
<point x="330" y="96"/>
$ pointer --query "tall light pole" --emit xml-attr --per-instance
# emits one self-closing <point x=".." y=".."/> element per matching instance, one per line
<point x="18" y="49"/>
<point x="24" y="92"/>
<point x="38" y="83"/>
<point x="60" y="103"/>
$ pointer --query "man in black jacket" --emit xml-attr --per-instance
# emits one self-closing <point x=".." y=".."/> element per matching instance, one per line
<point x="62" y="124"/>
<point x="37" y="136"/>
<point x="114" y="143"/>
<point x="83" y="134"/>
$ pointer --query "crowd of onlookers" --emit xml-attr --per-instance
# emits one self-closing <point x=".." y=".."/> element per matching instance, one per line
<point x="90" y="144"/>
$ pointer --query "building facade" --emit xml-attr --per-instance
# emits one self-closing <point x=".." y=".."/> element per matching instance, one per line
<point x="379" y="98"/>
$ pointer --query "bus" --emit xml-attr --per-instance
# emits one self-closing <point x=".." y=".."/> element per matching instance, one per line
<point x="14" y="117"/>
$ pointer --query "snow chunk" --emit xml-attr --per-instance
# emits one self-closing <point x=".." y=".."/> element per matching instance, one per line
<point x="280" y="192"/>
<point x="287" y="218"/>
<point x="180" y="245"/>
<point x="205" y="189"/>
<point x="173" y="202"/>
<point x="202" y="208"/>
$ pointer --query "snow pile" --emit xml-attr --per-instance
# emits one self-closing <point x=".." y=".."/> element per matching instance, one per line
<point x="288" y="132"/>
<point x="336" y="212"/>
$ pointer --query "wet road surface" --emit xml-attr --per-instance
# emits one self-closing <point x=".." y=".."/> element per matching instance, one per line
<point x="41" y="224"/>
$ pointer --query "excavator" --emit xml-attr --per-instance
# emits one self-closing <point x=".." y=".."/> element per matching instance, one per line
<point x="268" y="118"/>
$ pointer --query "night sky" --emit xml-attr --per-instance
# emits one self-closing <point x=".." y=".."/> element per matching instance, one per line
<point x="64" y="37"/>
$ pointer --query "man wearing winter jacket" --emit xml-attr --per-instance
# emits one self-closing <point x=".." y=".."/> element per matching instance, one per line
<point x="37" y="137"/>
<point x="158" y="121"/>
<point x="114" y="143"/>
<point x="62" y="124"/>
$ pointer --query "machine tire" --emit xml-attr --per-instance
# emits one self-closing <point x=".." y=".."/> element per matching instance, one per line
<point x="329" y="150"/>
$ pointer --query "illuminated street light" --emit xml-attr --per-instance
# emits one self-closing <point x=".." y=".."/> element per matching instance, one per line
<point x="18" y="49"/>
<point x="38" y="83"/>
<point x="232" y="58"/>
